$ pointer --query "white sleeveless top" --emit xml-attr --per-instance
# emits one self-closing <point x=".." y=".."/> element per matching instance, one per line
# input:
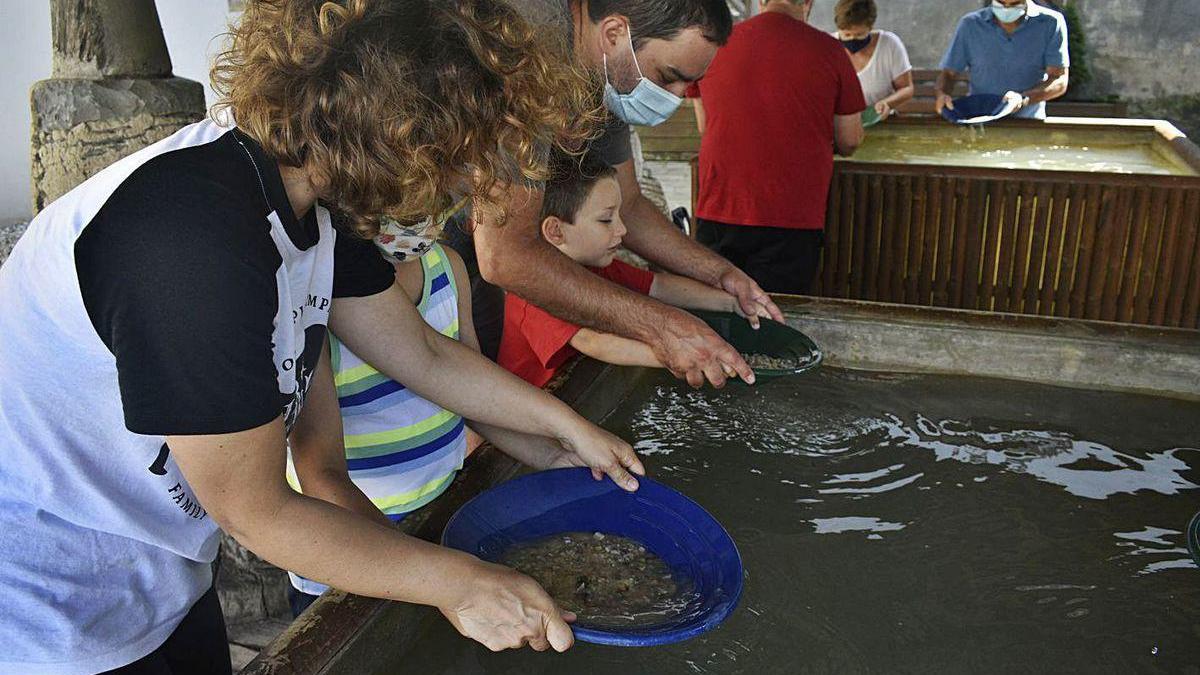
<point x="889" y="61"/>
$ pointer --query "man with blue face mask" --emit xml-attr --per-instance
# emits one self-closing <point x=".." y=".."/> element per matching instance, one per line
<point x="648" y="52"/>
<point x="1013" y="48"/>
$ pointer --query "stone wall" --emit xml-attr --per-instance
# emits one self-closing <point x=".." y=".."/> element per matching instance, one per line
<point x="1144" y="51"/>
<point x="81" y="126"/>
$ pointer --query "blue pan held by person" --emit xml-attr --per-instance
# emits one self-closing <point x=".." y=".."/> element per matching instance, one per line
<point x="980" y="109"/>
<point x="699" y="552"/>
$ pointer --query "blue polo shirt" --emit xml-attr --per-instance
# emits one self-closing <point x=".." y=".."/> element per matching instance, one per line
<point x="999" y="62"/>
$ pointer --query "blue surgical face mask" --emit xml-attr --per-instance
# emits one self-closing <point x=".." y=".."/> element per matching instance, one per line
<point x="1007" y="14"/>
<point x="856" y="46"/>
<point x="647" y="105"/>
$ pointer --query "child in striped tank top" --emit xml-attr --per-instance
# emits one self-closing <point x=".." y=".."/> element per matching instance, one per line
<point x="396" y="451"/>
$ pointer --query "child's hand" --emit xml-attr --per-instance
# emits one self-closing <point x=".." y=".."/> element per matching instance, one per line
<point x="761" y="311"/>
<point x="605" y="454"/>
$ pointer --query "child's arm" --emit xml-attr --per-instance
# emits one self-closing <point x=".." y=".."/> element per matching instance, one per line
<point x="691" y="294"/>
<point x="539" y="452"/>
<point x="318" y="449"/>
<point x="614" y="349"/>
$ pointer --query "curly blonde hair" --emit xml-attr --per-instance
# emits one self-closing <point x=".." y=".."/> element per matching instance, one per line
<point x="398" y="104"/>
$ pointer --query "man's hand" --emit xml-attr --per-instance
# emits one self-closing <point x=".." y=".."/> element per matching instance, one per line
<point x="752" y="299"/>
<point x="943" y="102"/>
<point x="504" y="609"/>
<point x="1016" y="99"/>
<point x="693" y="352"/>
<point x="883" y="110"/>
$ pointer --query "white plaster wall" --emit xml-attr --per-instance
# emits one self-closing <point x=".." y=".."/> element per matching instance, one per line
<point x="190" y="27"/>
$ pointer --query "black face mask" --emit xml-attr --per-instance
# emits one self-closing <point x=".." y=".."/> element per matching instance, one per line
<point x="856" y="46"/>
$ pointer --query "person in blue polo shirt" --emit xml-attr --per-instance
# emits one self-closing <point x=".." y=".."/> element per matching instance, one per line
<point x="1012" y="48"/>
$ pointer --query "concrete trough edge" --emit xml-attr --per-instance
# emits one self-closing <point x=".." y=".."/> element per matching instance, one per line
<point x="1061" y="352"/>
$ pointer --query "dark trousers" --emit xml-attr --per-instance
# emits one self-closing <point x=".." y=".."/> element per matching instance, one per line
<point x="299" y="600"/>
<point x="487" y="300"/>
<point x="198" y="646"/>
<point x="781" y="260"/>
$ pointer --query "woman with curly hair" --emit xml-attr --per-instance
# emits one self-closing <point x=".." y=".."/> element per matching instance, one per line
<point x="165" y="321"/>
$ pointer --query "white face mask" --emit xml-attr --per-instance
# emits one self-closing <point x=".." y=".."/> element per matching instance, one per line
<point x="647" y="105"/>
<point x="406" y="243"/>
<point x="1006" y="14"/>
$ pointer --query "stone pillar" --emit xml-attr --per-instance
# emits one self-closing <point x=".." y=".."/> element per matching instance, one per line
<point x="111" y="92"/>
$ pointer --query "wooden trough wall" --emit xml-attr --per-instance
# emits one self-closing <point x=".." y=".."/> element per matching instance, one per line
<point x="1050" y="243"/>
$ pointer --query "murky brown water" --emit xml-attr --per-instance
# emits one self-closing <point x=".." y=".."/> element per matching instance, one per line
<point x="899" y="523"/>
<point x="606" y="580"/>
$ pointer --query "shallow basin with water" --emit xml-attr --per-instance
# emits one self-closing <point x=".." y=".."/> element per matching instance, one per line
<point x="900" y="523"/>
<point x="931" y="520"/>
<point x="1022" y="147"/>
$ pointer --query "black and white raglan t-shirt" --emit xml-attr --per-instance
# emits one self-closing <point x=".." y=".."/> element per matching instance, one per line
<point x="173" y="293"/>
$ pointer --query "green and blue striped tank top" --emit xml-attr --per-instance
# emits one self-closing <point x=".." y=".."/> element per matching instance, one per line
<point x="402" y="451"/>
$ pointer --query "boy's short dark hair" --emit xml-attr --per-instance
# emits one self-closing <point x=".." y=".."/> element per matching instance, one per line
<point x="664" y="19"/>
<point x="569" y="185"/>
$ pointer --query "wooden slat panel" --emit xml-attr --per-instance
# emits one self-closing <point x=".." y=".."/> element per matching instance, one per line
<point x="861" y="199"/>
<point x="1076" y="206"/>
<point x="1111" y="249"/>
<point x="965" y="221"/>
<point x="1166" y="266"/>
<point x="1139" y="227"/>
<point x="945" y="247"/>
<point x="833" y="213"/>
<point x="1106" y="235"/>
<point x="1152" y="251"/>
<point x="846" y="235"/>
<point x="1118" y="247"/>
<point x="991" y="244"/>
<point x="900" y="242"/>
<point x="870" y="288"/>
<point x="1037" y="250"/>
<point x="1054" y="249"/>
<point x="916" y="238"/>
<point x="932" y="225"/>
<point x="1021" y="260"/>
<point x="1185" y="254"/>
<point x="1008" y="247"/>
<point x="976" y="222"/>
<point x="1087" y="245"/>
<point x="888" y="226"/>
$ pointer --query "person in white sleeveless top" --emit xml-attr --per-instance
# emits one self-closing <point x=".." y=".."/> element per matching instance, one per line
<point x="878" y="56"/>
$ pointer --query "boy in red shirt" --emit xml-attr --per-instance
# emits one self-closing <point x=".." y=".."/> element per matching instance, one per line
<point x="581" y="216"/>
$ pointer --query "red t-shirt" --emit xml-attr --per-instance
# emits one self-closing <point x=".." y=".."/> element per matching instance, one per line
<point x="769" y="98"/>
<point x="536" y="343"/>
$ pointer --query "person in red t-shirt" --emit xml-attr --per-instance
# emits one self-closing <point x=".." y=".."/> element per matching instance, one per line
<point x="581" y="216"/>
<point x="778" y="100"/>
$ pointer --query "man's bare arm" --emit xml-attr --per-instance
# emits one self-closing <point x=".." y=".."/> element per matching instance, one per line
<point x="654" y="238"/>
<point x="1055" y="85"/>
